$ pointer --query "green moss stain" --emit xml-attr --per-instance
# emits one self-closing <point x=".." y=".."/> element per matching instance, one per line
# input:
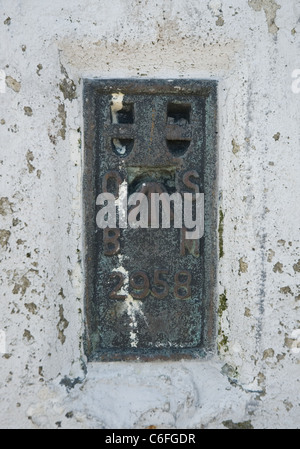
<point x="220" y="231"/>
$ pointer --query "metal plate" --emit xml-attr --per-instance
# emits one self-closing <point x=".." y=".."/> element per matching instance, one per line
<point x="149" y="292"/>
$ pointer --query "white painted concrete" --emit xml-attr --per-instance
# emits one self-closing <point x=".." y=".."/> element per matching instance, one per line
<point x="252" y="48"/>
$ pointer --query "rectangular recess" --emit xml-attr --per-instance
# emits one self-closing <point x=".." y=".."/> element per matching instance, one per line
<point x="149" y="293"/>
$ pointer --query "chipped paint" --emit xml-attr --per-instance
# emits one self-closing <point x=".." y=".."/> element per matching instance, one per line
<point x="243" y="266"/>
<point x="28" y="337"/>
<point x="66" y="86"/>
<point x="229" y="424"/>
<point x="296" y="267"/>
<point x="116" y="106"/>
<point x="21" y="286"/>
<point x="31" y="307"/>
<point x="29" y="159"/>
<point x="286" y="290"/>
<point x="220" y="231"/>
<point x="62" y="325"/>
<point x="222" y="337"/>
<point x="39" y="68"/>
<point x="4" y="237"/>
<point x="5" y="206"/>
<point x="28" y="111"/>
<point x="2" y="342"/>
<point x="220" y="21"/>
<point x="278" y="268"/>
<point x="271" y="254"/>
<point x="235" y="146"/>
<point x="268" y="353"/>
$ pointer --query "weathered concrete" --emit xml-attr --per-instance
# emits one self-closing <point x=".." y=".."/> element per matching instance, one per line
<point x="252" y="48"/>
